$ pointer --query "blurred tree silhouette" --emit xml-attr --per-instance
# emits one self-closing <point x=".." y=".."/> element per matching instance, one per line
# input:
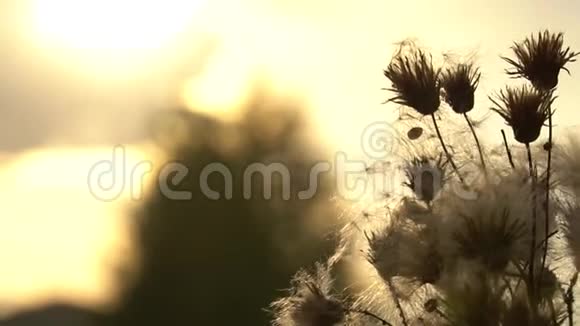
<point x="220" y="262"/>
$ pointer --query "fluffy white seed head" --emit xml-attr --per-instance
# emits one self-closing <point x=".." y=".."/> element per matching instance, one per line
<point x="311" y="303"/>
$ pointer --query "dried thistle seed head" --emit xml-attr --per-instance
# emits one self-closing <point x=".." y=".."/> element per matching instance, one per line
<point x="491" y="230"/>
<point x="459" y="84"/>
<point x="414" y="82"/>
<point x="540" y="59"/>
<point x="471" y="298"/>
<point x="310" y="303"/>
<point x="493" y="240"/>
<point x="525" y="109"/>
<point x="408" y="253"/>
<point x="314" y="308"/>
<point x="425" y="177"/>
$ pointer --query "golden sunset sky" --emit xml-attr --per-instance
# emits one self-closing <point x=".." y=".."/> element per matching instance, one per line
<point x="79" y="76"/>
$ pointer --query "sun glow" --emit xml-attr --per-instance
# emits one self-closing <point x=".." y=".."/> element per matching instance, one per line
<point x="112" y="24"/>
<point x="56" y="239"/>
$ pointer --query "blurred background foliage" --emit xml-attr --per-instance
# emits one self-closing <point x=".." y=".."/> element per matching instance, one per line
<point x="220" y="262"/>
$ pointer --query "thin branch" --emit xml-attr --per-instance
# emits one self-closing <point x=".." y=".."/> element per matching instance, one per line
<point x="508" y="286"/>
<point x="476" y="142"/>
<point x="370" y="314"/>
<point x="569" y="299"/>
<point x="449" y="158"/>
<point x="507" y="149"/>
<point x="521" y="270"/>
<point x="550" y="235"/>
<point x="442" y="315"/>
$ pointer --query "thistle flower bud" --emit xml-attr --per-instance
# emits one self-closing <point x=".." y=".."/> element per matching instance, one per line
<point x="425" y="177"/>
<point x="525" y="109"/>
<point x="459" y="84"/>
<point x="540" y="59"/>
<point x="493" y="240"/>
<point x="415" y="82"/>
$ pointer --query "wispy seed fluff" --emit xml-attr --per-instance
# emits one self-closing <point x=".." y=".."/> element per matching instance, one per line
<point x="567" y="164"/>
<point x="571" y="230"/>
<point x="491" y="225"/>
<point x="525" y="109"/>
<point x="406" y="254"/>
<point x="567" y="173"/>
<point x="415" y="81"/>
<point x="311" y="303"/>
<point x="540" y="59"/>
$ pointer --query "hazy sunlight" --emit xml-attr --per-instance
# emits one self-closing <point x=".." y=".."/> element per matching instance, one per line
<point x="112" y="25"/>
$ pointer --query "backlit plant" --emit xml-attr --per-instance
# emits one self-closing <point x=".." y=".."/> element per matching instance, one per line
<point x="492" y="243"/>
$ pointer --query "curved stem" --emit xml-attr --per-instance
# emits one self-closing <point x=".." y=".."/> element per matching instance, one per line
<point x="449" y="158"/>
<point x="507" y="149"/>
<point x="476" y="141"/>
<point x="531" y="271"/>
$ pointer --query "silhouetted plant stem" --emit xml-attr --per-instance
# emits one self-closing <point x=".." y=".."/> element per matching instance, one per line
<point x="547" y="203"/>
<point x="441" y="314"/>
<point x="449" y="158"/>
<point x="541" y="244"/>
<point x="522" y="275"/>
<point x="570" y="312"/>
<point x="398" y="304"/>
<point x="476" y="142"/>
<point x="507" y="149"/>
<point x="370" y="314"/>
<point x="531" y="285"/>
<point x="569" y="299"/>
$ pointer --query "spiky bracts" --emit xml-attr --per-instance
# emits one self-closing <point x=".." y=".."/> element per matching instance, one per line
<point x="459" y="83"/>
<point x="540" y="58"/>
<point x="525" y="109"/>
<point x="415" y="81"/>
